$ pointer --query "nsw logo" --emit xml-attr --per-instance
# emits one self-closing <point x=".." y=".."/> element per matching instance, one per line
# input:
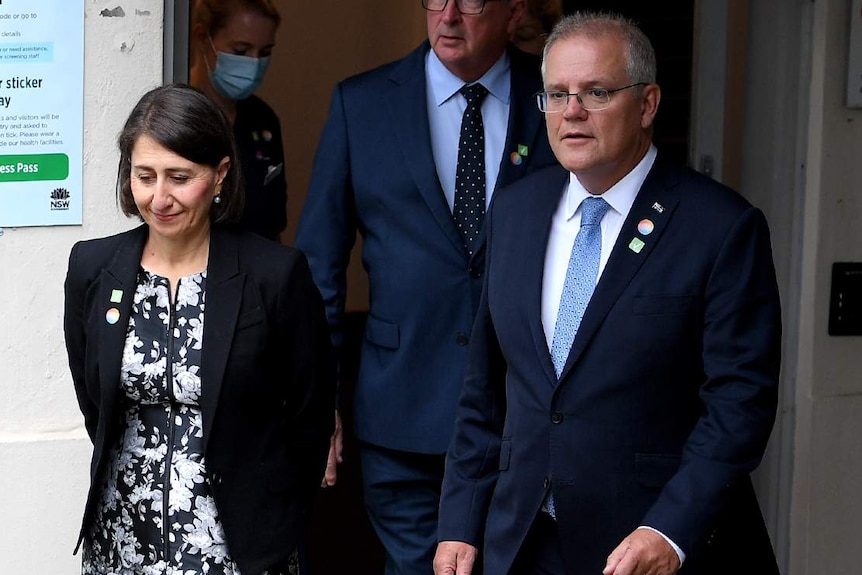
<point x="60" y="199"/>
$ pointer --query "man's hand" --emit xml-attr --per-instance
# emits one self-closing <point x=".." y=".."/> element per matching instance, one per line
<point x="454" y="558"/>
<point x="330" y="476"/>
<point x="643" y="552"/>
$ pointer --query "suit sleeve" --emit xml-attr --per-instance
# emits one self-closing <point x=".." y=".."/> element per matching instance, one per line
<point x="472" y="462"/>
<point x="310" y="374"/>
<point x="327" y="227"/>
<point x="76" y="340"/>
<point x="741" y="356"/>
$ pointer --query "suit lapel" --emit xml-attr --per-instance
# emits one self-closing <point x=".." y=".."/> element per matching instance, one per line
<point x="524" y="125"/>
<point x="223" y="299"/>
<point x="117" y="287"/>
<point x="656" y="203"/>
<point x="525" y="121"/>
<point x="546" y="200"/>
<point x="408" y="103"/>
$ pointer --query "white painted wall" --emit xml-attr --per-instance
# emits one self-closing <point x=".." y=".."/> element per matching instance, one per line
<point x="802" y="164"/>
<point x="826" y="516"/>
<point x="44" y="452"/>
<point x="774" y="148"/>
<point x="706" y="153"/>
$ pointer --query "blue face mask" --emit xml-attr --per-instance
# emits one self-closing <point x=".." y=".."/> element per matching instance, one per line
<point x="237" y="77"/>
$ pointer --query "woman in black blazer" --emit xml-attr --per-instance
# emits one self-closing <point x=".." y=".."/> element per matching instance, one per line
<point x="201" y="361"/>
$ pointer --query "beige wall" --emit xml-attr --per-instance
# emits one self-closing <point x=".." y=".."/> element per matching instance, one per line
<point x="318" y="44"/>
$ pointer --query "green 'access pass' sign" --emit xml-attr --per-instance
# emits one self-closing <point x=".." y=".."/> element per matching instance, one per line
<point x="41" y="112"/>
<point x="34" y="167"/>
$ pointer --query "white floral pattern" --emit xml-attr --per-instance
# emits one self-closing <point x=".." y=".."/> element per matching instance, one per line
<point x="158" y="469"/>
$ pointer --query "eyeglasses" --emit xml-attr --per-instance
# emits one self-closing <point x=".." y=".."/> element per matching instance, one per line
<point x="593" y="99"/>
<point x="463" y="6"/>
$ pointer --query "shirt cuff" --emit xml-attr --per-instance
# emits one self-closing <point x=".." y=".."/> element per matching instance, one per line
<point x="679" y="552"/>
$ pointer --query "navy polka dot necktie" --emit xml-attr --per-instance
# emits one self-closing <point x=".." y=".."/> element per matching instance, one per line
<point x="469" y="208"/>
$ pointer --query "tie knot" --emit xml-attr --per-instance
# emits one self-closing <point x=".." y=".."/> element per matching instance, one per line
<point x="593" y="210"/>
<point x="474" y="93"/>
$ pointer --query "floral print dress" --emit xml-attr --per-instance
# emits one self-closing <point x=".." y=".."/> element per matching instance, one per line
<point x="156" y="514"/>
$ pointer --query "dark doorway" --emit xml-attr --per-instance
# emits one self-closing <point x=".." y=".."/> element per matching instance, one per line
<point x="670" y="28"/>
<point x="342" y="540"/>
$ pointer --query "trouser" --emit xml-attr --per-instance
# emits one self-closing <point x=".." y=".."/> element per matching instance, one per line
<point x="541" y="552"/>
<point x="402" y="496"/>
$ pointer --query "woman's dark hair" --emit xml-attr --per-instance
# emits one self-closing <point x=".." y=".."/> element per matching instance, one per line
<point x="185" y="121"/>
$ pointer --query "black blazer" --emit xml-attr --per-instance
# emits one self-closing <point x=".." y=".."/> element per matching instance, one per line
<point x="267" y="375"/>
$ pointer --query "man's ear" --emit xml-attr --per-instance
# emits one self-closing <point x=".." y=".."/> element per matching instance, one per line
<point x="199" y="42"/>
<point x="198" y="32"/>
<point x="516" y="12"/>
<point x="650" y="99"/>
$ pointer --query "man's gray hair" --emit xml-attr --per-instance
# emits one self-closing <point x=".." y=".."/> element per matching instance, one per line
<point x="640" y="55"/>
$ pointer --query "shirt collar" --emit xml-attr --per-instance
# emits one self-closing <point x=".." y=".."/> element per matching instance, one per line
<point x="620" y="196"/>
<point x="444" y="84"/>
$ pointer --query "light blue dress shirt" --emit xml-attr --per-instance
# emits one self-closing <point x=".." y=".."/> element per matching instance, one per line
<point x="445" y="109"/>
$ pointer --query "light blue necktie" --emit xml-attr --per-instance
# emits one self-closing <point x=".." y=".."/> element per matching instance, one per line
<point x="577" y="289"/>
<point x="580" y="280"/>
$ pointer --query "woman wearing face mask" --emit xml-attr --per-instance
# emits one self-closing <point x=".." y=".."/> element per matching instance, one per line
<point x="232" y="41"/>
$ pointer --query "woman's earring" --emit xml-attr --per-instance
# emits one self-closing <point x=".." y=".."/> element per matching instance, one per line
<point x="217" y="199"/>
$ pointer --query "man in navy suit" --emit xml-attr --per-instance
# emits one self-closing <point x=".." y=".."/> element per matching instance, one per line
<point x="386" y="167"/>
<point x="630" y="451"/>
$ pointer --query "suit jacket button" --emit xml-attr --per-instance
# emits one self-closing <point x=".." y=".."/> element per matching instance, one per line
<point x="545" y="483"/>
<point x="216" y="479"/>
<point x="462" y="339"/>
<point x="475" y="273"/>
<point x="556" y="417"/>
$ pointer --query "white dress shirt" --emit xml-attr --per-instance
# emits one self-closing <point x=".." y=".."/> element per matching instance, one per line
<point x="445" y="109"/>
<point x="564" y="227"/>
<point x="566" y="223"/>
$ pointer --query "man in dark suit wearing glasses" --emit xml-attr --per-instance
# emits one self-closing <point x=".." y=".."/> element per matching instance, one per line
<point x="624" y="361"/>
<point x="410" y="157"/>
